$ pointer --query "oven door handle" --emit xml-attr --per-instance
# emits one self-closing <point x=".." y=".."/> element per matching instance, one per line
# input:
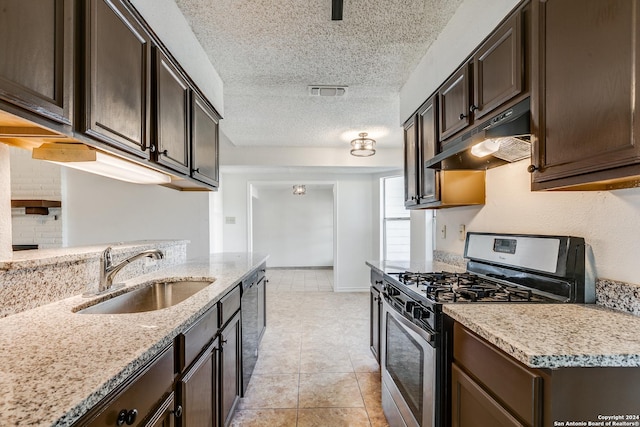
<point x="426" y="334"/>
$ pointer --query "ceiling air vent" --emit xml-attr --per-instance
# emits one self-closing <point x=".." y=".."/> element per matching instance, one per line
<point x="320" y="90"/>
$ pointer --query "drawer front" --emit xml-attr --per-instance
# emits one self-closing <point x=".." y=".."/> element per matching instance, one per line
<point x="143" y="394"/>
<point x="198" y="336"/>
<point x="472" y="406"/>
<point x="515" y="386"/>
<point x="229" y="305"/>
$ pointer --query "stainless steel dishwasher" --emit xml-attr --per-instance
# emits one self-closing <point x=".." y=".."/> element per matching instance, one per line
<point x="253" y="316"/>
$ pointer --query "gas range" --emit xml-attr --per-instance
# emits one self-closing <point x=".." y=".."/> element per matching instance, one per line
<point x="416" y="338"/>
<point x="448" y="287"/>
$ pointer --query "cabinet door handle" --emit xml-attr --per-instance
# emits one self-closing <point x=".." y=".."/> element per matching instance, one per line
<point x="378" y="282"/>
<point x="462" y="116"/>
<point x="197" y="170"/>
<point x="532" y="168"/>
<point x="152" y="148"/>
<point x="165" y="153"/>
<point x="473" y="108"/>
<point x="178" y="412"/>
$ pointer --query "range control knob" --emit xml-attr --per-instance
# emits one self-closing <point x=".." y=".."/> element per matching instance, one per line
<point x="420" y="313"/>
<point x="409" y="306"/>
<point x="391" y="291"/>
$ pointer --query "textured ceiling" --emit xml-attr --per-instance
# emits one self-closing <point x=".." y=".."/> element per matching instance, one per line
<point x="268" y="52"/>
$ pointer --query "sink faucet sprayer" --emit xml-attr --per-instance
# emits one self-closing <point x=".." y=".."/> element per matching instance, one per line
<point x="108" y="270"/>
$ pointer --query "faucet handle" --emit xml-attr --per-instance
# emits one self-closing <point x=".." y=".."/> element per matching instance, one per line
<point x="107" y="258"/>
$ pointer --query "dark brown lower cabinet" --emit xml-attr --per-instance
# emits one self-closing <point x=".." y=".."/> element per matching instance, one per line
<point x="197" y="390"/>
<point x="472" y="406"/>
<point x="491" y="388"/>
<point x="166" y="414"/>
<point x="139" y="398"/>
<point x="230" y="368"/>
<point x="375" y="305"/>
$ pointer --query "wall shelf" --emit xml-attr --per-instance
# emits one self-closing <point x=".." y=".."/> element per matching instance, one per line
<point x="36" y="207"/>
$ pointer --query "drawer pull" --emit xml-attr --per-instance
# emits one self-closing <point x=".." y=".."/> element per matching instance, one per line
<point x="127" y="417"/>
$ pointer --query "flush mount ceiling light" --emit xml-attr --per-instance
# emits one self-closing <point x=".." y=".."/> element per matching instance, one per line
<point x="363" y="146"/>
<point x="79" y="156"/>
<point x="299" y="190"/>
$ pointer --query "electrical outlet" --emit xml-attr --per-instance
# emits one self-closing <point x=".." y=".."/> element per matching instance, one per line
<point x="443" y="232"/>
<point x="462" y="232"/>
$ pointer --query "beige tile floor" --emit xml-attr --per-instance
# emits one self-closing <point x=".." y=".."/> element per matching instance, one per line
<point x="315" y="367"/>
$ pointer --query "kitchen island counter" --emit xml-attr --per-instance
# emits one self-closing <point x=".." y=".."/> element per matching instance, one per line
<point x="555" y="335"/>
<point x="57" y="364"/>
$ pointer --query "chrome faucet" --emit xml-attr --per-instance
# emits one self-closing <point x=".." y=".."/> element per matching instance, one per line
<point x="108" y="270"/>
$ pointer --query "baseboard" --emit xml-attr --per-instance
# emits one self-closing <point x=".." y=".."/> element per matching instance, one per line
<point x="321" y="267"/>
<point x="352" y="289"/>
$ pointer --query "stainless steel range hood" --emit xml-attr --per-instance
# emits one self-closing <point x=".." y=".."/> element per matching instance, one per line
<point x="508" y="131"/>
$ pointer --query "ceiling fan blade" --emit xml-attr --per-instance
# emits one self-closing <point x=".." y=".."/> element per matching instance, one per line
<point x="336" y="10"/>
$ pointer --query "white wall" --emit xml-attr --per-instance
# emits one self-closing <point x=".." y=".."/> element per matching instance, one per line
<point x="35" y="179"/>
<point x="354" y="221"/>
<point x="5" y="203"/>
<point x="103" y="210"/>
<point x="608" y="220"/>
<point x="296" y="231"/>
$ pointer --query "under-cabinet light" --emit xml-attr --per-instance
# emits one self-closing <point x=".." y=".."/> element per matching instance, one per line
<point x="84" y="158"/>
<point x="486" y="147"/>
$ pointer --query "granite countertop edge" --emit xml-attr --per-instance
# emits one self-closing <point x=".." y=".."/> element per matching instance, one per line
<point x="555" y="336"/>
<point x="100" y="351"/>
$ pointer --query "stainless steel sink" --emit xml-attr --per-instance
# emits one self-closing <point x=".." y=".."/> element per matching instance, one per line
<point x="149" y="298"/>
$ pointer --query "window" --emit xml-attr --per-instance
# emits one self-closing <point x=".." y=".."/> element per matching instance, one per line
<point x="395" y="220"/>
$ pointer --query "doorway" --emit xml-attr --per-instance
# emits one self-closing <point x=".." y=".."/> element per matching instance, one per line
<point x="297" y="231"/>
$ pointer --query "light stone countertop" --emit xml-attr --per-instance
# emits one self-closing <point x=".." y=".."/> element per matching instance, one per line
<point x="41" y="257"/>
<point x="555" y="335"/>
<point x="57" y="364"/>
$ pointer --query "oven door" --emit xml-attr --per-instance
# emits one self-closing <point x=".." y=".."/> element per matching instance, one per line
<point x="408" y="364"/>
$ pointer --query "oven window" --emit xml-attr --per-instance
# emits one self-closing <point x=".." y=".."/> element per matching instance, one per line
<point x="405" y="363"/>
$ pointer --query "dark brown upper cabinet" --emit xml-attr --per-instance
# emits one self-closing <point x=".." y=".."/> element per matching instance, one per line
<point x="498" y="68"/>
<point x="411" y="163"/>
<point x="420" y="145"/>
<point x="171" y="118"/>
<point x="585" y="111"/>
<point x="36" y="57"/>
<point x="117" y="74"/>
<point x="427" y="188"/>
<point x="453" y="99"/>
<point x="204" y="142"/>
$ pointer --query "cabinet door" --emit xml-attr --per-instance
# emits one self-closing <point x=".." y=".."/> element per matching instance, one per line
<point x="229" y="369"/>
<point x="36" y="56"/>
<point x="474" y="407"/>
<point x="374" y="331"/>
<point x="204" y="142"/>
<point x="497" y="65"/>
<point x="587" y="113"/>
<point x="166" y="414"/>
<point x="118" y="77"/>
<point x="262" y="302"/>
<point x="171" y="115"/>
<point x="411" y="163"/>
<point x="453" y="100"/>
<point x="197" y="391"/>
<point x="428" y="190"/>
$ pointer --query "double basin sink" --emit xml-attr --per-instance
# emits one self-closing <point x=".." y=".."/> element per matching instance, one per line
<point x="154" y="296"/>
